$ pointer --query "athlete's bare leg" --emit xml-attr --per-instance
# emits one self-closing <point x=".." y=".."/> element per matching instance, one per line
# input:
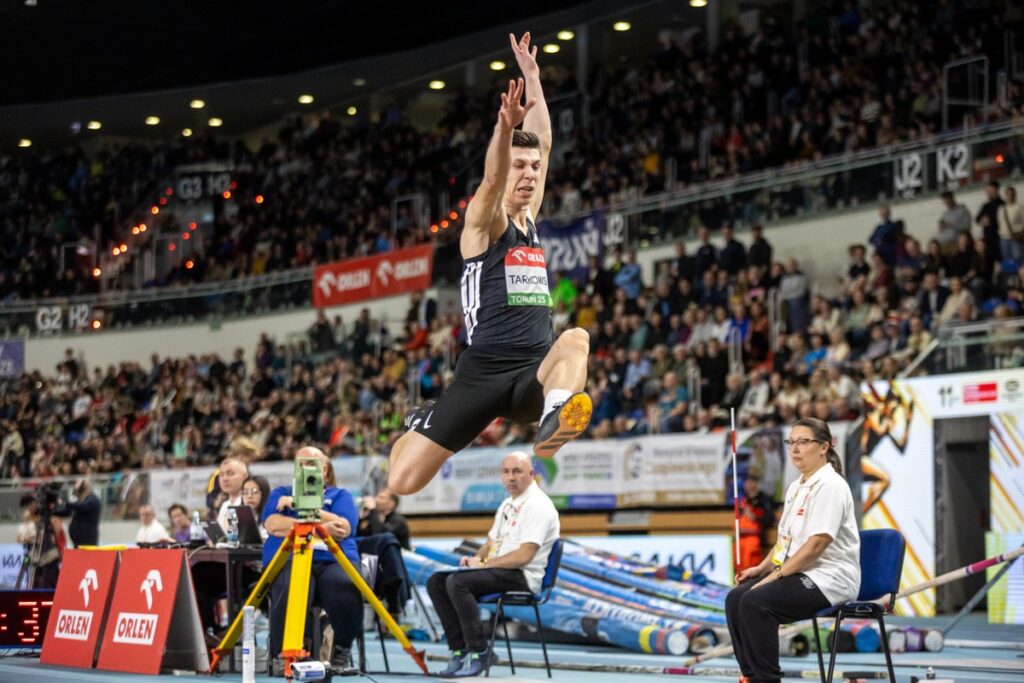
<point x="563" y="374"/>
<point x="565" y="366"/>
<point x="415" y="459"/>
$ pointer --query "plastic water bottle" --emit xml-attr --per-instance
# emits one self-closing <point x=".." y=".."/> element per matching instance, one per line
<point x="249" y="644"/>
<point x="232" y="530"/>
<point x="195" y="529"/>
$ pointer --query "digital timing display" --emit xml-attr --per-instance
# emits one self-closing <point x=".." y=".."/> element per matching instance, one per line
<point x="23" y="617"/>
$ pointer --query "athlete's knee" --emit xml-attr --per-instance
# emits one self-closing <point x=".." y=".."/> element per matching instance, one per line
<point x="575" y="339"/>
<point x="404" y="481"/>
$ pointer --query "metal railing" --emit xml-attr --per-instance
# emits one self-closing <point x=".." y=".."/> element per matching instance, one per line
<point x="899" y="171"/>
<point x="810" y="189"/>
<point x="969" y="347"/>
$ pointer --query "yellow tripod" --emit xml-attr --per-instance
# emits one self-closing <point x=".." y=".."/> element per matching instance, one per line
<point x="299" y="546"/>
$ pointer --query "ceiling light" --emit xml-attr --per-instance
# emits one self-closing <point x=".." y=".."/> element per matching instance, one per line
<point x="497" y="65"/>
<point x="552" y="48"/>
<point x="566" y="35"/>
<point x="94" y="125"/>
<point x="197" y="104"/>
<point x="152" y="120"/>
<point x="24" y="142"/>
<point x="622" y="26"/>
<point x="436" y="85"/>
<point x="698" y="3"/>
<point x="186" y="132"/>
<point x="351" y="111"/>
<point x="305" y="99"/>
<point x="216" y="122"/>
<point x="359" y="82"/>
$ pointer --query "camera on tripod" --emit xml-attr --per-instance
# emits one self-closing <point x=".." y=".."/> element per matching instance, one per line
<point x="47" y="498"/>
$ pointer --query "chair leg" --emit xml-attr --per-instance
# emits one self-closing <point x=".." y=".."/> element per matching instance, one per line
<point x="817" y="648"/>
<point x="835" y="642"/>
<point x="383" y="646"/>
<point x="494" y="632"/>
<point x="508" y="641"/>
<point x="885" y="648"/>
<point x="361" y="644"/>
<point x="540" y="634"/>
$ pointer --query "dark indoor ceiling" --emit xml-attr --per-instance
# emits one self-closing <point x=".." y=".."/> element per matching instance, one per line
<point x="53" y="50"/>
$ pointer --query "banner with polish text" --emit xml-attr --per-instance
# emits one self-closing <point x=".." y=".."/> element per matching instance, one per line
<point x="372" y="277"/>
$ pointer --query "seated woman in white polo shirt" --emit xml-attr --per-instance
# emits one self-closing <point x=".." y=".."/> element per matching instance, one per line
<point x="815" y="563"/>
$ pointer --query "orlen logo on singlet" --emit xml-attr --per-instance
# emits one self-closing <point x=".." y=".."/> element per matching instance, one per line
<point x="526" y="277"/>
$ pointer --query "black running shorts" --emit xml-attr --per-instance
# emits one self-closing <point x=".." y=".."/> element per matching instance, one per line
<point x="489" y="383"/>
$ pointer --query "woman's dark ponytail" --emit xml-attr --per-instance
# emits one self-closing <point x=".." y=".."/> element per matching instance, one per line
<point x="833" y="459"/>
<point x="823" y="434"/>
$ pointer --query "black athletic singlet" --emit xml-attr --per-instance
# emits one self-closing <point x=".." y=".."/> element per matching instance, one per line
<point x="505" y="296"/>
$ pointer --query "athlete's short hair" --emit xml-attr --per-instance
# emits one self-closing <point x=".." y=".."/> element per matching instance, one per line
<point x="524" y="138"/>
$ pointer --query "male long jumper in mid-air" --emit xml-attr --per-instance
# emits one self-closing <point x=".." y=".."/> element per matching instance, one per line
<point x="513" y="367"/>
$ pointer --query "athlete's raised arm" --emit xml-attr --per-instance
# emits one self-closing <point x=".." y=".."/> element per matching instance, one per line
<point x="537" y="121"/>
<point x="486" y="218"/>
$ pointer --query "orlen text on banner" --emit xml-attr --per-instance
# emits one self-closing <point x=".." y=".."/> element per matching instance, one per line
<point x="372" y="277"/>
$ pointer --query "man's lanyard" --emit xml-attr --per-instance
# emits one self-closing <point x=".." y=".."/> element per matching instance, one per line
<point x="509" y="513"/>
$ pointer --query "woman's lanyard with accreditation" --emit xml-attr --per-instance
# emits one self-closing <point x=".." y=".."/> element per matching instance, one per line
<point x="790" y="519"/>
<point x="509" y="513"/>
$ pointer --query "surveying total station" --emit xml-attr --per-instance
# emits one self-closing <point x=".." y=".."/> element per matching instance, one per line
<point x="308" y="499"/>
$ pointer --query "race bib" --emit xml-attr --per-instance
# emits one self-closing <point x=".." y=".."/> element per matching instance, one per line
<point x="526" y="277"/>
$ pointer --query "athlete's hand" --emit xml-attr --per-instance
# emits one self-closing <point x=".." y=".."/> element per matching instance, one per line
<point x="525" y="57"/>
<point x="512" y="110"/>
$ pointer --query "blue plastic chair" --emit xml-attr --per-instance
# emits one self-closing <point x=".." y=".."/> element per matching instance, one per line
<point x="881" y="565"/>
<point x="525" y="599"/>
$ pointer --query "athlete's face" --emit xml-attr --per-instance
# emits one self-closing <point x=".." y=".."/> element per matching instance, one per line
<point x="523" y="175"/>
<point x="516" y="474"/>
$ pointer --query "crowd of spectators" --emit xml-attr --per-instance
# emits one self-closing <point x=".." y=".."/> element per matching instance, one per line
<point x="660" y="356"/>
<point x="845" y="79"/>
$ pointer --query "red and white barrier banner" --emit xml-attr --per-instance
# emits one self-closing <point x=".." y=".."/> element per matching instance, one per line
<point x="371" y="277"/>
<point x="79" y="607"/>
<point x="153" y="621"/>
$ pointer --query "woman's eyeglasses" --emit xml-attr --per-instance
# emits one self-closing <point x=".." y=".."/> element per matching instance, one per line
<point x="789" y="443"/>
<point x="250" y="492"/>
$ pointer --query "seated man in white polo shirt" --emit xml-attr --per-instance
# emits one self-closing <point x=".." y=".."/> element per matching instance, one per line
<point x="513" y="559"/>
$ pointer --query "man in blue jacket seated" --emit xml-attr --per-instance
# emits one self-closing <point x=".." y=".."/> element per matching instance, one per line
<point x="329" y="586"/>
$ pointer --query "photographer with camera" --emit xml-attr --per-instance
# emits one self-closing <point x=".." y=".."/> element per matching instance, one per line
<point x="329" y="586"/>
<point x="42" y="534"/>
<point x="85" y="515"/>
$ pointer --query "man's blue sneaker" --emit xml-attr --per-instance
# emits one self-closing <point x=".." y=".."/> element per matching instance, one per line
<point x="475" y="663"/>
<point x="455" y="662"/>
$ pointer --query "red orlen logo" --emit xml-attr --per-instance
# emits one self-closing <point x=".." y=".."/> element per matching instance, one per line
<point x="987" y="392"/>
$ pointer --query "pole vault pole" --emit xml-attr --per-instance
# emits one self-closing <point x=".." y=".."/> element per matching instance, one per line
<point x="735" y="487"/>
